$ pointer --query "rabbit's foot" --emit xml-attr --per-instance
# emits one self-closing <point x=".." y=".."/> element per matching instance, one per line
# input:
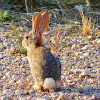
<point x="37" y="87"/>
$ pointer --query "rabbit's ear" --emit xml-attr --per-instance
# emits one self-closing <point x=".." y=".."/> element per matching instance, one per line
<point x="37" y="22"/>
<point x="45" y="19"/>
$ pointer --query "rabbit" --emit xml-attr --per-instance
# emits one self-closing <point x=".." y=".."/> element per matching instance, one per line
<point x="45" y="68"/>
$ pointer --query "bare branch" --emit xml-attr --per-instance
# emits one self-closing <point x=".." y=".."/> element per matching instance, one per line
<point x="26" y="6"/>
<point x="60" y="7"/>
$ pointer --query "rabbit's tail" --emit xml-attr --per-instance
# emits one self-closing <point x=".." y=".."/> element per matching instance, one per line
<point x="49" y="83"/>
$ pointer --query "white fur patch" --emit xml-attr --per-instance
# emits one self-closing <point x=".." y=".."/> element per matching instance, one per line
<point x="49" y="83"/>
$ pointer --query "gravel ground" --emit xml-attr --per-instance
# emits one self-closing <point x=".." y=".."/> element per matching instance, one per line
<point x="80" y="78"/>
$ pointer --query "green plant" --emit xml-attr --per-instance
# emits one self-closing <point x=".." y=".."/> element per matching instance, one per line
<point x="5" y="16"/>
<point x="16" y="33"/>
<point x="20" y="51"/>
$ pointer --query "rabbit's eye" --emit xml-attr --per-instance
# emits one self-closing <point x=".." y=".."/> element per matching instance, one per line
<point x="27" y="37"/>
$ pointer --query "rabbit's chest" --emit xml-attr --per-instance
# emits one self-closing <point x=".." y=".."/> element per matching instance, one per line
<point x="36" y="56"/>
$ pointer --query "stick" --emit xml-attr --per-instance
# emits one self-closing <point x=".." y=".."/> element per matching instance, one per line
<point x="41" y="2"/>
<point x="60" y="7"/>
<point x="26" y="6"/>
<point x="54" y="15"/>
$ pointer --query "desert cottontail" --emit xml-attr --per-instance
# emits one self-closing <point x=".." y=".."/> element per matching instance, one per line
<point x="45" y="68"/>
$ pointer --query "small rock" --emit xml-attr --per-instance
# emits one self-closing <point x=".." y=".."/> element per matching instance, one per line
<point x="15" y="77"/>
<point x="63" y="96"/>
<point x="12" y="49"/>
<point x="85" y="72"/>
<point x="85" y="55"/>
<point x="90" y="37"/>
<point x="0" y="40"/>
<point x="77" y="71"/>
<point x="88" y="87"/>
<point x="4" y="77"/>
<point x="94" y="65"/>
<point x="73" y="46"/>
<point x="1" y="69"/>
<point x="81" y="57"/>
<point x="20" y="39"/>
<point x="45" y="33"/>
<point x="54" y="95"/>
<point x="6" y="36"/>
<point x="98" y="41"/>
<point x="22" y="83"/>
<point x="41" y="99"/>
<point x="96" y="96"/>
<point x="71" y="85"/>
<point x="77" y="7"/>
<point x="98" y="36"/>
<point x="6" y="98"/>
<point x="70" y="44"/>
<point x="85" y="47"/>
<point x="25" y="59"/>
<point x="47" y="98"/>
<point x="8" y="73"/>
<point x="63" y="43"/>
<point x="33" y="91"/>
<point x="19" y="92"/>
<point x="6" y="92"/>
<point x="1" y="76"/>
<point x="3" y="57"/>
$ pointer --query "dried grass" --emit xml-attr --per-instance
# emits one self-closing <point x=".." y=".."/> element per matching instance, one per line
<point x="54" y="45"/>
<point x="98" y="32"/>
<point x="86" y="24"/>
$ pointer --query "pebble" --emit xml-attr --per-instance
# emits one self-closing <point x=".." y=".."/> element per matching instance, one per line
<point x="90" y="37"/>
<point x="1" y="76"/>
<point x="88" y="88"/>
<point x="73" y="46"/>
<point x="41" y="99"/>
<point x="70" y="44"/>
<point x="63" y="96"/>
<point x="6" y="98"/>
<point x="98" y="41"/>
<point x="85" y="55"/>
<point x="71" y="85"/>
<point x="85" y="73"/>
<point x="22" y="83"/>
<point x="96" y="96"/>
<point x="77" y="7"/>
<point x="25" y="60"/>
<point x="85" y="47"/>
<point x="54" y="95"/>
<point x="15" y="77"/>
<point x="0" y="40"/>
<point x="19" y="92"/>
<point x="12" y="49"/>
<point x="8" y="73"/>
<point x="98" y="36"/>
<point x="6" y="92"/>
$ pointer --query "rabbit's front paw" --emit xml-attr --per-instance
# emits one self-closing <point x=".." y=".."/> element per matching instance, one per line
<point x="37" y="87"/>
